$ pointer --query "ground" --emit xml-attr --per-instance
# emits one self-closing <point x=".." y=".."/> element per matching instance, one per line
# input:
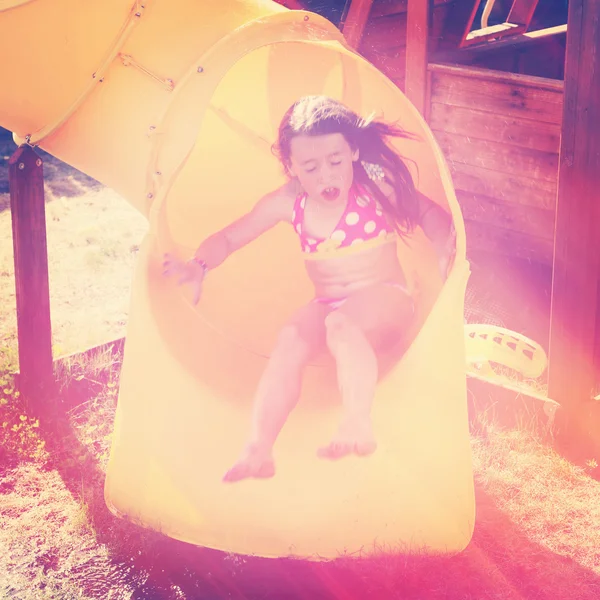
<point x="536" y="534"/>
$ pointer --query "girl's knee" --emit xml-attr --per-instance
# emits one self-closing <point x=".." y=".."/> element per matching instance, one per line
<point x="335" y="321"/>
<point x="342" y="331"/>
<point x="291" y="346"/>
<point x="339" y="328"/>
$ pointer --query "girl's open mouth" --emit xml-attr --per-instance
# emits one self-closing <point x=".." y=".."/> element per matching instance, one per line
<point x="331" y="193"/>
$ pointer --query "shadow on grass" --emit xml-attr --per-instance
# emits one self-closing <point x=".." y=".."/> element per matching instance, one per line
<point x="500" y="563"/>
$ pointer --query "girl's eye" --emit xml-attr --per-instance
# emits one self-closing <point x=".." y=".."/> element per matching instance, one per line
<point x="311" y="170"/>
<point x="337" y="163"/>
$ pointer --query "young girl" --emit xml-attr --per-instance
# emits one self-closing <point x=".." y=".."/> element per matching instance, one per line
<point x="348" y="198"/>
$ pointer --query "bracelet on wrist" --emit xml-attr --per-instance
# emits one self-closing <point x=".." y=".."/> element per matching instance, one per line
<point x="200" y="262"/>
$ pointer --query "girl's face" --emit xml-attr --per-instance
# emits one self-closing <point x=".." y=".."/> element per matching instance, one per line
<point x="323" y="165"/>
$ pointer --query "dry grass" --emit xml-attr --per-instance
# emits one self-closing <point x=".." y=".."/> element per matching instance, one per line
<point x="537" y="533"/>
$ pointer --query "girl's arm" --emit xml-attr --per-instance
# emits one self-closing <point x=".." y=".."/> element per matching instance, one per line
<point x="433" y="219"/>
<point x="435" y="222"/>
<point x="439" y="228"/>
<point x="270" y="210"/>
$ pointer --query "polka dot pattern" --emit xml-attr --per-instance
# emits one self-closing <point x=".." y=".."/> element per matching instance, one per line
<point x="352" y="218"/>
<point x="363" y="220"/>
<point x="370" y="226"/>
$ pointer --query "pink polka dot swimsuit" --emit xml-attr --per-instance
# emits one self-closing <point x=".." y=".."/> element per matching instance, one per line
<point x="362" y="225"/>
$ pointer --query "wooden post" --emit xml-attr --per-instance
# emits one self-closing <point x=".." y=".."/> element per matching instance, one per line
<point x="417" y="37"/>
<point x="26" y="182"/>
<point x="356" y="20"/>
<point x="573" y="322"/>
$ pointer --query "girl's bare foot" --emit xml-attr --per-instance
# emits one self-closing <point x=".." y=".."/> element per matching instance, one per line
<point x="256" y="462"/>
<point x="354" y="436"/>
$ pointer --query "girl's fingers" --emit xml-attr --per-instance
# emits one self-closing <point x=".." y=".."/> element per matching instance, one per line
<point x="173" y="266"/>
<point x="169" y="265"/>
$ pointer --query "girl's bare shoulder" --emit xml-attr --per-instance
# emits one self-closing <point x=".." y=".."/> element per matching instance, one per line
<point x="282" y="199"/>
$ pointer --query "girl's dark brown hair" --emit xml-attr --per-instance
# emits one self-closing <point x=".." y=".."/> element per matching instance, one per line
<point x="320" y="115"/>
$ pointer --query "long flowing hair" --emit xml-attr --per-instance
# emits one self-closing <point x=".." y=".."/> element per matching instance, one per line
<point x="321" y="115"/>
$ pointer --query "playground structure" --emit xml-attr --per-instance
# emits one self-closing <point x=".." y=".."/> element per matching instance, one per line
<point x="496" y="118"/>
<point x="513" y="111"/>
<point x="432" y="88"/>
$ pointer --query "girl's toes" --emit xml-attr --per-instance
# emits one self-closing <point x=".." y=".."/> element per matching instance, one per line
<point x="335" y="450"/>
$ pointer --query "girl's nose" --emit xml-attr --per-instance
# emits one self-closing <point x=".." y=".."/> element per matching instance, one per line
<point x="324" y="174"/>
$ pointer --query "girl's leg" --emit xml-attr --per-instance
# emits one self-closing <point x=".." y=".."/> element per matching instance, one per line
<point x="354" y="333"/>
<point x="357" y="377"/>
<point x="279" y="388"/>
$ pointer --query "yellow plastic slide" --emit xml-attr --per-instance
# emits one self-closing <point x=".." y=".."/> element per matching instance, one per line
<point x="175" y="104"/>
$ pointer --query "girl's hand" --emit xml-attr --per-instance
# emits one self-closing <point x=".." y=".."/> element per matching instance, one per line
<point x="189" y="272"/>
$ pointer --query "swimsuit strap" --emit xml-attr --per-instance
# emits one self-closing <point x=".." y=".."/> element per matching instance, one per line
<point x="298" y="213"/>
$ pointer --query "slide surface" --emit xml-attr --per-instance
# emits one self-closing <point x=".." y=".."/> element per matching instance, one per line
<point x="175" y="105"/>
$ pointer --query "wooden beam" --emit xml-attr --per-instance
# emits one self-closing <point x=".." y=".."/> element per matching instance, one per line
<point x="517" y="22"/>
<point x="575" y="299"/>
<point x="510" y="43"/>
<point x="356" y="20"/>
<point x="458" y="29"/>
<point x="26" y="181"/>
<point x="417" y="37"/>
<point x="493" y="32"/>
<point x="522" y="12"/>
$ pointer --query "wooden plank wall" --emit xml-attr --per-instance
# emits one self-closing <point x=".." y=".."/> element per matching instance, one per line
<point x="500" y="133"/>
